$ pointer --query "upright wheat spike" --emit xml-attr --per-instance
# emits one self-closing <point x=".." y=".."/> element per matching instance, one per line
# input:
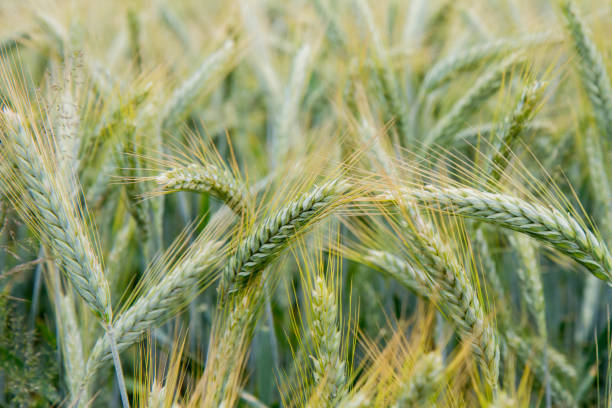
<point x="592" y="68"/>
<point x="546" y="224"/>
<point x="329" y="371"/>
<point x="55" y="209"/>
<point x="531" y="280"/>
<point x="185" y="94"/>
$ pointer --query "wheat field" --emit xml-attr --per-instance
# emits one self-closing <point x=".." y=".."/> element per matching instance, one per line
<point x="326" y="203"/>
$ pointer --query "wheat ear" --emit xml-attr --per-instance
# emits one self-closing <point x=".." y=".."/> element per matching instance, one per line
<point x="456" y="118"/>
<point x="592" y="68"/>
<point x="186" y="93"/>
<point x="329" y="370"/>
<point x="513" y="127"/>
<point x="546" y="224"/>
<point x="157" y="303"/>
<point x="267" y="240"/>
<point x="456" y="292"/>
<point x="204" y="179"/>
<point x="465" y="60"/>
<point x="425" y="378"/>
<point x="62" y="223"/>
<point x="531" y="280"/>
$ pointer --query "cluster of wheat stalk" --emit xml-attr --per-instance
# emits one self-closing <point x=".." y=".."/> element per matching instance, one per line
<point x="305" y="204"/>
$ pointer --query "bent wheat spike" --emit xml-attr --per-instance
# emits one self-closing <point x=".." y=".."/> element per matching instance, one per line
<point x="547" y="224"/>
<point x="204" y="179"/>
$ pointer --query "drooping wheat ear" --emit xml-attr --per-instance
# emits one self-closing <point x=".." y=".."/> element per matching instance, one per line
<point x="188" y="91"/>
<point x="412" y="278"/>
<point x="465" y="60"/>
<point x="525" y="353"/>
<point x="546" y="224"/>
<point x="425" y="378"/>
<point x="531" y="280"/>
<point x="154" y="306"/>
<point x="205" y="179"/>
<point x="456" y="118"/>
<point x="72" y="346"/>
<point x="268" y="239"/>
<point x="57" y="217"/>
<point x="592" y="68"/>
<point x="329" y="368"/>
<point x="456" y="294"/>
<point x="513" y="127"/>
